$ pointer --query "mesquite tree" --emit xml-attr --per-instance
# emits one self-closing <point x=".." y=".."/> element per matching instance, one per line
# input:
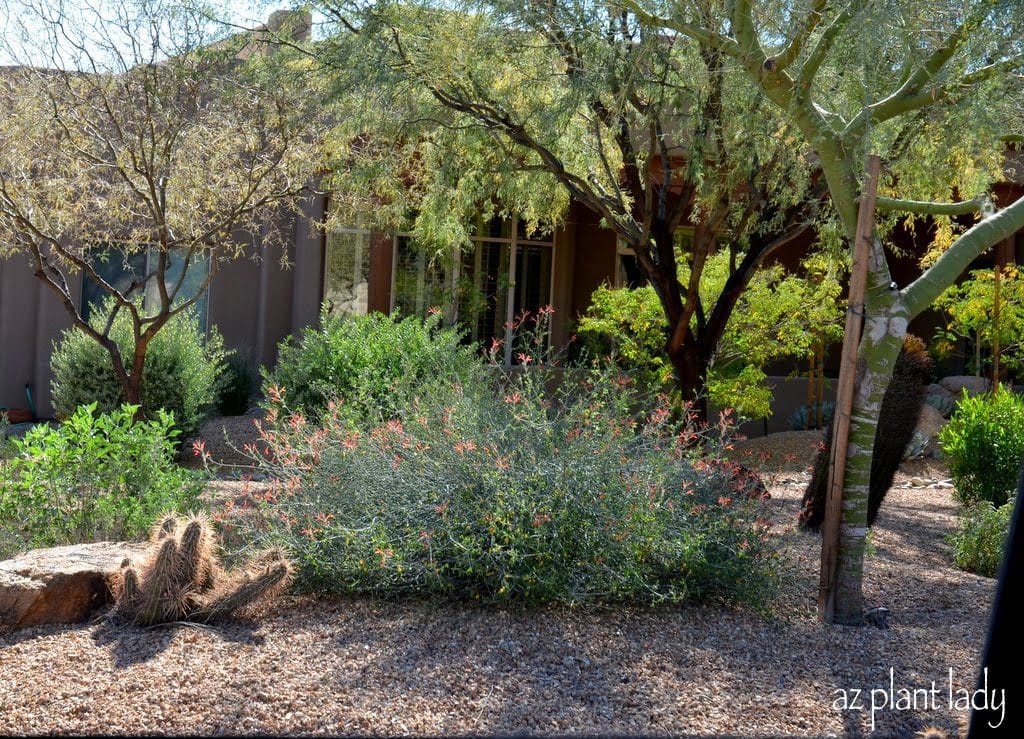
<point x="934" y="87"/>
<point x="526" y="105"/>
<point x="130" y="131"/>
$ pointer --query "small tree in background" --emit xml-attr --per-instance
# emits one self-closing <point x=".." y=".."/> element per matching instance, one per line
<point x="779" y="315"/>
<point x="132" y="133"/>
<point x="970" y="311"/>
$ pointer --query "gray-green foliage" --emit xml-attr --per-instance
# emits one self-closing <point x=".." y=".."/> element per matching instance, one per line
<point x="93" y="477"/>
<point x="368" y="364"/>
<point x="980" y="539"/>
<point x="183" y="373"/>
<point x="514" y="494"/>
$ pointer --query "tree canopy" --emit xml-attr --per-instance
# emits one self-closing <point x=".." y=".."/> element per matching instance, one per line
<point x="511" y="106"/>
<point x="135" y="129"/>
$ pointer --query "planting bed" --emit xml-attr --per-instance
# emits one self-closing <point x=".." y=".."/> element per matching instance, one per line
<point x="303" y="665"/>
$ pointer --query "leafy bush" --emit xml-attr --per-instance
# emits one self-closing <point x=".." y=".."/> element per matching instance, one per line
<point x="183" y="373"/>
<point x="779" y="315"/>
<point x="984" y="443"/>
<point x="513" y="494"/>
<point x="92" y="477"/>
<point x="366" y="362"/>
<point x="629" y="325"/>
<point x="979" y="541"/>
<point x="969" y="309"/>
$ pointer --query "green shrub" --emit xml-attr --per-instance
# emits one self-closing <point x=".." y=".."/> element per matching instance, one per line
<point x="239" y="387"/>
<point x="979" y="541"/>
<point x="368" y="363"/>
<point x="778" y="315"/>
<point x="183" y="373"/>
<point x="984" y="443"/>
<point x="513" y="495"/>
<point x="93" y="477"/>
<point x="629" y="325"/>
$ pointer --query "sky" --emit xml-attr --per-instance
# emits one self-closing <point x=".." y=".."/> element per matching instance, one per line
<point x="26" y="38"/>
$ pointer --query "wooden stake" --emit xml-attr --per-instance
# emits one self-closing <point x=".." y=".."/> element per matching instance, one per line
<point x="845" y="393"/>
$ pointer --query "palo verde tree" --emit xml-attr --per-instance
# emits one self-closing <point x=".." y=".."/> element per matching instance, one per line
<point x="934" y="88"/>
<point x="130" y="131"/>
<point x="524" y="106"/>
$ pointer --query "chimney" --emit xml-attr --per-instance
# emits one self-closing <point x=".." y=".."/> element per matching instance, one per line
<point x="296" y="24"/>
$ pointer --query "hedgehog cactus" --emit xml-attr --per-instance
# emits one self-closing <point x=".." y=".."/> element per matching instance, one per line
<point x="181" y="579"/>
<point x="901" y="409"/>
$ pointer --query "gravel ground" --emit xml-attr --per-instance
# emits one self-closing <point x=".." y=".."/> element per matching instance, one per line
<point x="331" y="666"/>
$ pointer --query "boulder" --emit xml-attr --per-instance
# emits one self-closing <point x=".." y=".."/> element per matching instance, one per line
<point x="929" y="424"/>
<point x="974" y="385"/>
<point x="60" y="585"/>
<point x="937" y="389"/>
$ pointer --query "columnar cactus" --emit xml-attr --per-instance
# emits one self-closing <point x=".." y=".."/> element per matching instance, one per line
<point x="181" y="580"/>
<point x="900" y="411"/>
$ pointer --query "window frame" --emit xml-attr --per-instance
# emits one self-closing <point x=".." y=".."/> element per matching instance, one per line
<point x="454" y="273"/>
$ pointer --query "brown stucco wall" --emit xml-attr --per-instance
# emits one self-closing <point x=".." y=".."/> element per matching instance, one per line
<point x="593" y="259"/>
<point x="255" y="302"/>
<point x="31" y="318"/>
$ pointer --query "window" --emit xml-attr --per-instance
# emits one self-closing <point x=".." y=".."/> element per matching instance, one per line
<point x="507" y="271"/>
<point x="421" y="281"/>
<point x="347" y="271"/>
<point x="628" y="272"/>
<point x="120" y="270"/>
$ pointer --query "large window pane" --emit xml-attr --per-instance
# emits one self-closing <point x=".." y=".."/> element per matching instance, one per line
<point x="533" y="282"/>
<point x="195" y="276"/>
<point x="120" y="270"/>
<point x="495" y="227"/>
<point x="347" y="272"/>
<point x="483" y="305"/>
<point x="422" y="281"/>
<point x="115" y="268"/>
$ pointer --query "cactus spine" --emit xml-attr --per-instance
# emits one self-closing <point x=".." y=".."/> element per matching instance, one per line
<point x="181" y="579"/>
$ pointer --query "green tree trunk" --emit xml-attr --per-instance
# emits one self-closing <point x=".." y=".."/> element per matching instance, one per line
<point x="885" y="326"/>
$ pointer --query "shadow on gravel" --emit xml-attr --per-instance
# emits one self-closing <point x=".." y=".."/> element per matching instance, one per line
<point x="132" y="645"/>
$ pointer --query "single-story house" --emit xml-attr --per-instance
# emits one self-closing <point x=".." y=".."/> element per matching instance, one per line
<point x="255" y="303"/>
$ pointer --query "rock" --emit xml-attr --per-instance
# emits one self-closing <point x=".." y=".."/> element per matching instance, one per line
<point x="929" y="424"/>
<point x="878" y="617"/>
<point x="956" y="384"/>
<point x="60" y="585"/>
<point x="919" y="482"/>
<point x="937" y="389"/>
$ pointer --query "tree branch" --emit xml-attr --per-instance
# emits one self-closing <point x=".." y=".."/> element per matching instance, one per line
<point x="990" y="231"/>
<point x="788" y="55"/>
<point x="921" y="207"/>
